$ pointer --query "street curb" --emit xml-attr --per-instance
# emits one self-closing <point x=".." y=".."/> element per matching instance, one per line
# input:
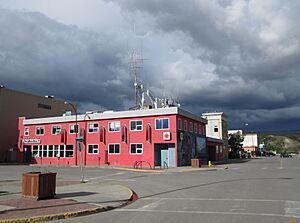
<point x="139" y="170"/>
<point x="131" y="198"/>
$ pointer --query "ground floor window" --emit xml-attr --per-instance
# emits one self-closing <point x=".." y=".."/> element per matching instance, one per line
<point x="49" y="151"/>
<point x="114" y="149"/>
<point x="136" y="148"/>
<point x="93" y="149"/>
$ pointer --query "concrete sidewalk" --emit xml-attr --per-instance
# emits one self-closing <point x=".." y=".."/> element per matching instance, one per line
<point x="72" y="199"/>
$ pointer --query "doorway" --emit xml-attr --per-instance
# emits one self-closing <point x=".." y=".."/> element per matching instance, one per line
<point x="27" y="154"/>
<point x="165" y="155"/>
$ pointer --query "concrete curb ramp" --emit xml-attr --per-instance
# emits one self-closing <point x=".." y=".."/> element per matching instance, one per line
<point x="74" y="214"/>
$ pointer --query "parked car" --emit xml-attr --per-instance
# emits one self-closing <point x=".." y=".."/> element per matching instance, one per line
<point x="285" y="155"/>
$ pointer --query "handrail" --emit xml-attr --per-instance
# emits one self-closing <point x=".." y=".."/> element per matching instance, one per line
<point x="166" y="165"/>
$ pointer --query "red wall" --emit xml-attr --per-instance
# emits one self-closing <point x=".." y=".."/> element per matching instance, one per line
<point x="122" y="159"/>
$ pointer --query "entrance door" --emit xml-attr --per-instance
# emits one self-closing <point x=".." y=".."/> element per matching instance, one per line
<point x="168" y="157"/>
<point x="27" y="154"/>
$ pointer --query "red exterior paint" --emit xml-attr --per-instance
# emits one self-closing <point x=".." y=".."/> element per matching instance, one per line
<point x="103" y="157"/>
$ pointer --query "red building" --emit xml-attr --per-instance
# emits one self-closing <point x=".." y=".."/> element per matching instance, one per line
<point x="157" y="137"/>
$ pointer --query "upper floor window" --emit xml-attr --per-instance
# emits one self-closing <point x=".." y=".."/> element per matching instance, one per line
<point x="195" y="128"/>
<point x="162" y="123"/>
<point x="136" y="148"/>
<point x="114" y="148"/>
<point x="56" y="129"/>
<point x="216" y="129"/>
<point x="73" y="129"/>
<point x="185" y="125"/>
<point x="93" y="127"/>
<point x="200" y="129"/>
<point x="93" y="149"/>
<point x="136" y="125"/>
<point x="40" y="130"/>
<point x="26" y="132"/>
<point x="114" y="126"/>
<point x="179" y="124"/>
<point x="191" y="126"/>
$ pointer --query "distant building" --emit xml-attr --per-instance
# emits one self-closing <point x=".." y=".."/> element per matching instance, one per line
<point x="216" y="132"/>
<point x="14" y="104"/>
<point x="250" y="143"/>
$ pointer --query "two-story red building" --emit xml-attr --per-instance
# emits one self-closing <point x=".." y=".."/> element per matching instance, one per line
<point x="157" y="137"/>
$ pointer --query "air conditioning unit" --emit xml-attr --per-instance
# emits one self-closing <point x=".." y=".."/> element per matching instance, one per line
<point x="166" y="136"/>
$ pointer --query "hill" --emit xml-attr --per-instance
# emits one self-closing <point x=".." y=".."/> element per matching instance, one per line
<point x="280" y="142"/>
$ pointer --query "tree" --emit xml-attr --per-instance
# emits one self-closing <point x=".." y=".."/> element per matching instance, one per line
<point x="235" y="143"/>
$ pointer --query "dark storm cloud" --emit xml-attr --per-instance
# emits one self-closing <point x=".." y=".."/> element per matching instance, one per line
<point x="241" y="57"/>
<point x="40" y="55"/>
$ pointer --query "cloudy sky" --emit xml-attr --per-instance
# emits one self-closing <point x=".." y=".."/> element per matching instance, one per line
<point x="237" y="56"/>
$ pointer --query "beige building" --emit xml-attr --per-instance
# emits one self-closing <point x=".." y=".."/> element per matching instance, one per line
<point x="217" y="127"/>
<point x="14" y="104"/>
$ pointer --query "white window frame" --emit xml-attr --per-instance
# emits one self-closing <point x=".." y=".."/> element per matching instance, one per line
<point x="141" y="125"/>
<point x="179" y="123"/>
<point x="162" y="128"/>
<point x="97" y="128"/>
<point x="26" y="131"/>
<point x="74" y="129"/>
<point x="56" y="133"/>
<point x="93" y="148"/>
<point x="68" y="150"/>
<point x="136" y="149"/>
<point x="185" y="125"/>
<point x="114" y="148"/>
<point x="114" y="126"/>
<point x="37" y="151"/>
<point x="42" y="127"/>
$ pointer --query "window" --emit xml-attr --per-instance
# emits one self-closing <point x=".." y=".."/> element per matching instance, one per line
<point x="136" y="125"/>
<point x="185" y="125"/>
<point x="114" y="149"/>
<point x="195" y="128"/>
<point x="35" y="151"/>
<point x="45" y="148"/>
<point x="40" y="151"/>
<point x="56" y="151"/>
<point x="56" y="129"/>
<point x="69" y="151"/>
<point x="191" y="127"/>
<point x="93" y="127"/>
<point x="50" y="151"/>
<point x="73" y="129"/>
<point x="216" y="129"/>
<point x="62" y="151"/>
<point x="179" y="124"/>
<point x="114" y="126"/>
<point x="93" y="149"/>
<point x="162" y="123"/>
<point x="26" y="132"/>
<point x="39" y="130"/>
<point x="136" y="148"/>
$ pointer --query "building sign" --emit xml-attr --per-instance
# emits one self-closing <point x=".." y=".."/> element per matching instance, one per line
<point x="31" y="141"/>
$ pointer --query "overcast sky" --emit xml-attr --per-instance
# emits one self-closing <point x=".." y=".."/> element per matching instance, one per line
<point x="237" y="56"/>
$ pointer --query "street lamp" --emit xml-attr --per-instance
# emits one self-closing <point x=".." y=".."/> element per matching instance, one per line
<point x="76" y="142"/>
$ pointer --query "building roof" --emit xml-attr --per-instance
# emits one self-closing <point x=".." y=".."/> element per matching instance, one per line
<point x="116" y="115"/>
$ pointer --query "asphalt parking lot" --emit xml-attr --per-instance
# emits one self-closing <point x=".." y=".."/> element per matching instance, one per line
<point x="260" y="190"/>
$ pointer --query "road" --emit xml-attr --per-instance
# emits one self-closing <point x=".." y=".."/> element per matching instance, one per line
<point x="259" y="190"/>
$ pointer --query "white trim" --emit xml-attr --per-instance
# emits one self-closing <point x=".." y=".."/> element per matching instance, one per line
<point x="114" y="122"/>
<point x="40" y="127"/>
<point x="114" y="144"/>
<point x="26" y="128"/>
<point x="75" y="129"/>
<point x="135" y="120"/>
<point x="93" y="149"/>
<point x="136" y="149"/>
<point x="118" y="114"/>
<point x="162" y="118"/>
<point x="52" y="129"/>
<point x="88" y="127"/>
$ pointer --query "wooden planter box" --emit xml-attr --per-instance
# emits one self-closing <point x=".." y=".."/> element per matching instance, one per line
<point x="196" y="163"/>
<point x="38" y="185"/>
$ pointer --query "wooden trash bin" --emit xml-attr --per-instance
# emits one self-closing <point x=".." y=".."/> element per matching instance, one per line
<point x="38" y="185"/>
<point x="196" y="163"/>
